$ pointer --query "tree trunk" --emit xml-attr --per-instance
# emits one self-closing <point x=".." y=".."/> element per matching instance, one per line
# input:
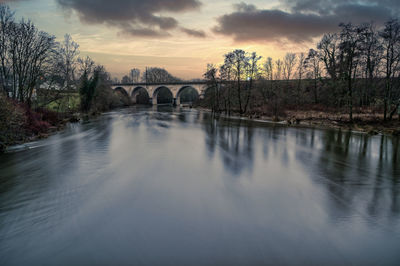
<point x="350" y="100"/>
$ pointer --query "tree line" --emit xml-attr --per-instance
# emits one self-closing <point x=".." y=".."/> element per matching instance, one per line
<point x="353" y="70"/>
<point x="150" y="75"/>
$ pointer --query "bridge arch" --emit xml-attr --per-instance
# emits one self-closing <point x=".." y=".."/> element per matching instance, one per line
<point x="121" y="90"/>
<point x="157" y="91"/>
<point x="137" y="92"/>
<point x="185" y="88"/>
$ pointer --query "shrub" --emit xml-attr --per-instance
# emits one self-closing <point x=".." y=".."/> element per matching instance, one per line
<point x="34" y="122"/>
<point x="12" y="122"/>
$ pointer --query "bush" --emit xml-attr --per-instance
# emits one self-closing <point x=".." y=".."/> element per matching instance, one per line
<point x="12" y="122"/>
<point x="34" y="122"/>
<point x="49" y="116"/>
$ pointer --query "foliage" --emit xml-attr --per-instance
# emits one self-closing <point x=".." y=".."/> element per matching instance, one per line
<point x="87" y="90"/>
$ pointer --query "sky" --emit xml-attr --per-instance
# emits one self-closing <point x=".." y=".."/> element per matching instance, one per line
<point x="183" y="36"/>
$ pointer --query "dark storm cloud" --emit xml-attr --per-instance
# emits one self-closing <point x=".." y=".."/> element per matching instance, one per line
<point x="305" y="20"/>
<point x="132" y="17"/>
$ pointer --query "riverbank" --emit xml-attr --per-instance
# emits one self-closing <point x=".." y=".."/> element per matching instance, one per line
<point x="30" y="130"/>
<point x="368" y="123"/>
<point x="20" y="123"/>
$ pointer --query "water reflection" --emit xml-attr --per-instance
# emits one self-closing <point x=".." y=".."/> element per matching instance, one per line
<point x="356" y="169"/>
<point x="183" y="187"/>
<point x="234" y="141"/>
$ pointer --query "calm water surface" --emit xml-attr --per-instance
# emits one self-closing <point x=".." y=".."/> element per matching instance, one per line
<point x="168" y="187"/>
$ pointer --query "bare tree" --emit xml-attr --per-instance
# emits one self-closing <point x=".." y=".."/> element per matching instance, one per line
<point x="68" y="58"/>
<point x="158" y="75"/>
<point x="6" y="24"/>
<point x="252" y="74"/>
<point x="350" y="53"/>
<point x="312" y="64"/>
<point x="135" y="75"/>
<point x="266" y="90"/>
<point x="237" y="61"/>
<point x="300" y="72"/>
<point x="226" y="86"/>
<point x="126" y="79"/>
<point x="371" y="56"/>
<point x="278" y="68"/>
<point x="391" y="43"/>
<point x="85" y="65"/>
<point x="211" y="76"/>
<point x="288" y="65"/>
<point x="328" y="47"/>
<point x="30" y="52"/>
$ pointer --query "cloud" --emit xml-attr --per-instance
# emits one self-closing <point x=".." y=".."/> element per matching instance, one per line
<point x="194" y="33"/>
<point x="326" y="7"/>
<point x="132" y="17"/>
<point x="302" y="21"/>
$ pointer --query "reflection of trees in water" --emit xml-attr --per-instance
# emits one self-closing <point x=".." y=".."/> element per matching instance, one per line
<point x="210" y="128"/>
<point x="387" y="175"/>
<point x="235" y="143"/>
<point x="275" y="143"/>
<point x="360" y="172"/>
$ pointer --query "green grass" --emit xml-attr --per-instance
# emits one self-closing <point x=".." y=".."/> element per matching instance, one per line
<point x="66" y="103"/>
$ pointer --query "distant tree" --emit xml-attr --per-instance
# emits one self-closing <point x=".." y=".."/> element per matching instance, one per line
<point x="300" y="73"/>
<point x="278" y="69"/>
<point x="211" y="76"/>
<point x="115" y="80"/>
<point x="252" y="74"/>
<point x="158" y="75"/>
<point x="134" y="74"/>
<point x="126" y="79"/>
<point x="288" y="65"/>
<point x="238" y="62"/>
<point x="226" y="89"/>
<point x="267" y="90"/>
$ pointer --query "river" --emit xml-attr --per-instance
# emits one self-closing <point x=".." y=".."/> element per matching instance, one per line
<point x="162" y="186"/>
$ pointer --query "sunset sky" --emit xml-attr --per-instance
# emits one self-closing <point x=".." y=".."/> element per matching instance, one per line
<point x="184" y="35"/>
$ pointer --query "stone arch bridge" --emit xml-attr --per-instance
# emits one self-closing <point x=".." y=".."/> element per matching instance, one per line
<point x="152" y="89"/>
